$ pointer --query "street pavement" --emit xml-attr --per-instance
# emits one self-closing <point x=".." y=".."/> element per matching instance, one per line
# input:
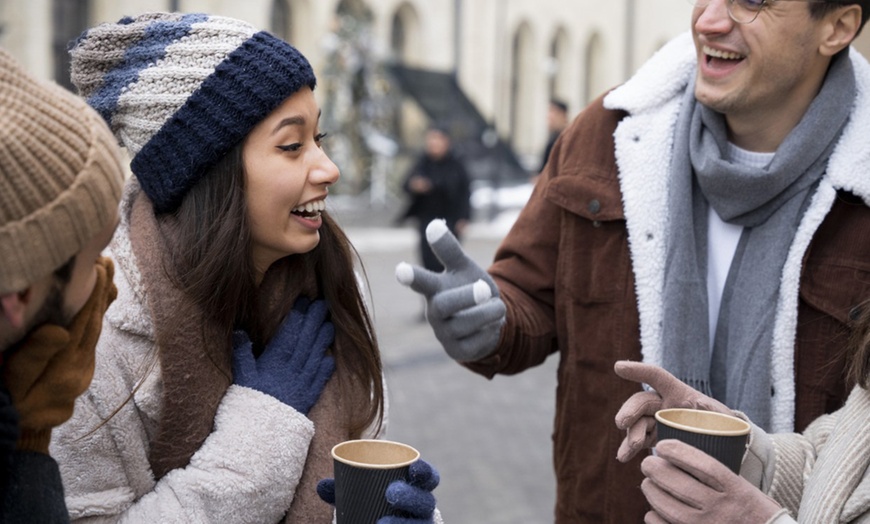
<point x="489" y="439"/>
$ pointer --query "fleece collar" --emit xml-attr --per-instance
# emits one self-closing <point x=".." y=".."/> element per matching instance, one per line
<point x="127" y="313"/>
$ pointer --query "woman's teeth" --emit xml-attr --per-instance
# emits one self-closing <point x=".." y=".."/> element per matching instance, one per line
<point x="725" y="55"/>
<point x="311" y="208"/>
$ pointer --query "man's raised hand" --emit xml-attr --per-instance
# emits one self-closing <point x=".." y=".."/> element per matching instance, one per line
<point x="462" y="302"/>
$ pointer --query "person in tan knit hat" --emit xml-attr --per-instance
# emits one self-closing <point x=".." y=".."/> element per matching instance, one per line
<point x="60" y="185"/>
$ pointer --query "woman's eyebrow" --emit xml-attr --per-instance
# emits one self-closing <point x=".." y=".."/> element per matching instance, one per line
<point x="297" y="120"/>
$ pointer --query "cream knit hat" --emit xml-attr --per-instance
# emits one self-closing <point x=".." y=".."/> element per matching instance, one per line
<point x="60" y="176"/>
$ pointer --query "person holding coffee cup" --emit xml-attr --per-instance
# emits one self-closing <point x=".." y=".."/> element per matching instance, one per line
<point x="815" y="476"/>
<point x="239" y="350"/>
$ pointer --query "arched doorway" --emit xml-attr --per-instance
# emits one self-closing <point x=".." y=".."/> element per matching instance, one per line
<point x="523" y="71"/>
<point x="69" y="19"/>
<point x="558" y="84"/>
<point x="291" y="20"/>
<point x="594" y="77"/>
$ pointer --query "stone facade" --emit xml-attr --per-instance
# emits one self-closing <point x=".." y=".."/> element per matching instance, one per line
<point x="510" y="56"/>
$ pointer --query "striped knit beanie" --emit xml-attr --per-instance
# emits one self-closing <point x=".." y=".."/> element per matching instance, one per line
<point x="181" y="90"/>
<point x="60" y="176"/>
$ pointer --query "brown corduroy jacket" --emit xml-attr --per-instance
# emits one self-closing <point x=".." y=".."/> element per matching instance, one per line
<point x="568" y="273"/>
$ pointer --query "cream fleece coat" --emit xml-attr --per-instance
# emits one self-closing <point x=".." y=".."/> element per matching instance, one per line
<point x="247" y="470"/>
<point x="644" y="141"/>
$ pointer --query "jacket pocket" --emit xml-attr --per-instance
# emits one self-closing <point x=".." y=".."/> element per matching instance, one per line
<point x="594" y="260"/>
<point x="836" y="288"/>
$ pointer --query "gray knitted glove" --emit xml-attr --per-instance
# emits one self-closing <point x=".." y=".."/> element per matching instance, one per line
<point x="463" y="305"/>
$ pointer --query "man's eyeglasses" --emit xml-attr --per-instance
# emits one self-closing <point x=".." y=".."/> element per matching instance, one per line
<point x="746" y="11"/>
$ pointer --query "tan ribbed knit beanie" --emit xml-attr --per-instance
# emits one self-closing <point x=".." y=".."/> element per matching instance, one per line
<point x="60" y="176"/>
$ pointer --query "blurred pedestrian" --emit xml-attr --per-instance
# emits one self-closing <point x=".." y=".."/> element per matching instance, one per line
<point x="60" y="183"/>
<point x="557" y="121"/>
<point x="240" y="350"/>
<point x="438" y="186"/>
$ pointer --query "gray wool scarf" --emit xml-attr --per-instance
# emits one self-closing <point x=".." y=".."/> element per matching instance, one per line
<point x="769" y="203"/>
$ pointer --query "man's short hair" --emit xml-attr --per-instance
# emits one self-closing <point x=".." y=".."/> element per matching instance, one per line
<point x="562" y="106"/>
<point x="820" y="9"/>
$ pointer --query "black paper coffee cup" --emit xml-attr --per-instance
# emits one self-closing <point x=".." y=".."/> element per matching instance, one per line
<point x="363" y="471"/>
<point x="721" y="436"/>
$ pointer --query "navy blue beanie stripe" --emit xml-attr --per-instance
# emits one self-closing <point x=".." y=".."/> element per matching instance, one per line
<point x="150" y="48"/>
<point x="245" y="87"/>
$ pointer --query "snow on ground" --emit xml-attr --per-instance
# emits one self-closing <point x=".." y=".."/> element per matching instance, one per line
<point x="509" y="201"/>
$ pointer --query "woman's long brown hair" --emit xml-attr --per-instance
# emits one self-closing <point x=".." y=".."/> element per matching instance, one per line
<point x="859" y="369"/>
<point x="213" y="263"/>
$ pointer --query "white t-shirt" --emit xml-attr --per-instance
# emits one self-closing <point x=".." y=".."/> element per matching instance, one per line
<point x="722" y="239"/>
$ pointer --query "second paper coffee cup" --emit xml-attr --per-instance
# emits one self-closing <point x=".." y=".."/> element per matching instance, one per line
<point x="721" y="436"/>
<point x="363" y="470"/>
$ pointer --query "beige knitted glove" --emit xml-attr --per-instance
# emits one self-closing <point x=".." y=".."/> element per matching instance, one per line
<point x="684" y="485"/>
<point x="637" y="414"/>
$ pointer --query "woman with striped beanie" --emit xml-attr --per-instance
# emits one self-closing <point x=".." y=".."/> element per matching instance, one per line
<point x="239" y="350"/>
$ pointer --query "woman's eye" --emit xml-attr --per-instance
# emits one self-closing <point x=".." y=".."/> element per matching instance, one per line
<point x="291" y="148"/>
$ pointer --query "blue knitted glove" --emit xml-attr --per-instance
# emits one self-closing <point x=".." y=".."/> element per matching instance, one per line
<point x="413" y="499"/>
<point x="294" y="368"/>
<point x="463" y="304"/>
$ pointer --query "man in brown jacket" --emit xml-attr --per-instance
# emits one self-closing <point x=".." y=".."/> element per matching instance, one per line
<point x="60" y="184"/>
<point x="709" y="216"/>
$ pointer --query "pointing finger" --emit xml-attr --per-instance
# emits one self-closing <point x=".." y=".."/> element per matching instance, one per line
<point x="658" y="378"/>
<point x="417" y="278"/>
<point x="445" y="246"/>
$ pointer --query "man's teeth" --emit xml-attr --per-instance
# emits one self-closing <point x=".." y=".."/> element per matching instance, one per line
<point x="311" y="207"/>
<point x="725" y="55"/>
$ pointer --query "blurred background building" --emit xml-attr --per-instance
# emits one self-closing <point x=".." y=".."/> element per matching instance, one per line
<point x="484" y="68"/>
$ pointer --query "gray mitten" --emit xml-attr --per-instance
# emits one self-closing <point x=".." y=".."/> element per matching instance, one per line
<point x="463" y="304"/>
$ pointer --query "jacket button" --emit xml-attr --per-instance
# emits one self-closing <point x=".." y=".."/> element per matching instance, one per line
<point x="594" y="206"/>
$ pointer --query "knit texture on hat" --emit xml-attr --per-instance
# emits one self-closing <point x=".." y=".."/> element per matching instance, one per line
<point x="180" y="90"/>
<point x="60" y="176"/>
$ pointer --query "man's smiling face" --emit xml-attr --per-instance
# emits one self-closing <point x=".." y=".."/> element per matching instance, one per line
<point x="760" y="70"/>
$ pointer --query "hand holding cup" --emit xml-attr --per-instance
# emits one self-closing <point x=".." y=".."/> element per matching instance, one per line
<point x="380" y="481"/>
<point x="636" y="416"/>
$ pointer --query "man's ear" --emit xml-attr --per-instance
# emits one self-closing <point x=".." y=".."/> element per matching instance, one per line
<point x="13" y="306"/>
<point x="841" y="27"/>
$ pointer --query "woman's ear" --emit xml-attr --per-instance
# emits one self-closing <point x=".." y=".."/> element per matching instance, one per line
<point x="840" y="28"/>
